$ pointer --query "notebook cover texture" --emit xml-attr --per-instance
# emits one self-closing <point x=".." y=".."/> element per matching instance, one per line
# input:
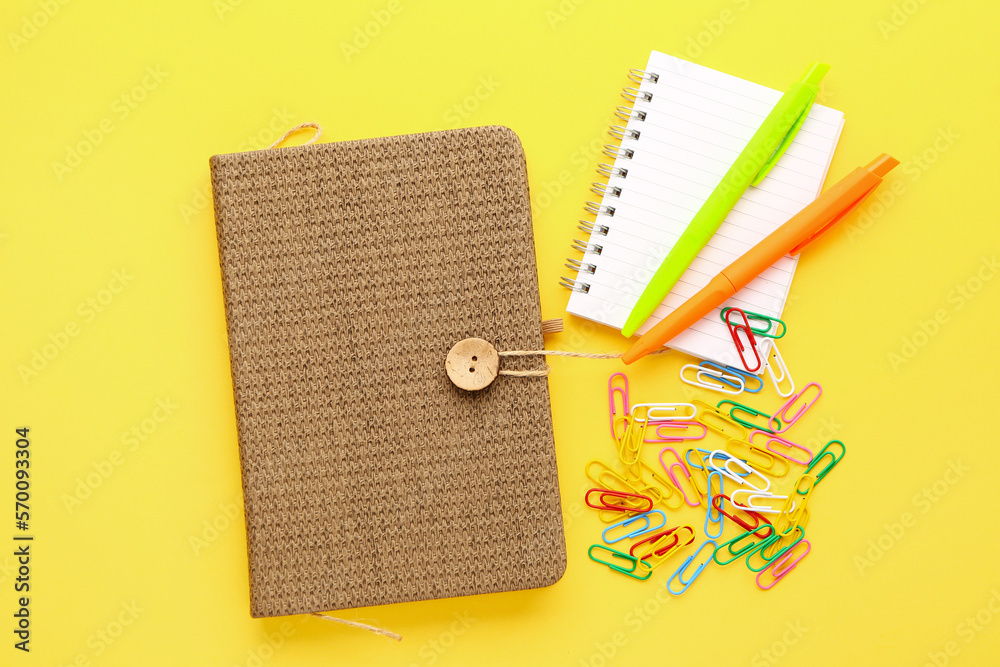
<point x="349" y="270"/>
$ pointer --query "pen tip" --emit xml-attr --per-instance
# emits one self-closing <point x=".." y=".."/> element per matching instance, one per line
<point x="882" y="165"/>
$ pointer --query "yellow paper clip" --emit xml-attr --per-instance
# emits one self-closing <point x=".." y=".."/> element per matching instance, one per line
<point x="659" y="489"/>
<point x="758" y="458"/>
<point x="657" y="549"/>
<point x="794" y="512"/>
<point x="709" y="417"/>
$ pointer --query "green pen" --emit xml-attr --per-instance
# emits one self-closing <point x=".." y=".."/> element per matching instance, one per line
<point x="761" y="153"/>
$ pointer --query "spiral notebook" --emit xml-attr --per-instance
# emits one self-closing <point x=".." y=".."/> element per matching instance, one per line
<point x="349" y="270"/>
<point x="684" y="128"/>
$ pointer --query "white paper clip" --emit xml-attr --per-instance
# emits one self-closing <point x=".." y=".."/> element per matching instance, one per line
<point x="739" y="479"/>
<point x="663" y="412"/>
<point x="700" y="381"/>
<point x="775" y="356"/>
<point x="752" y="495"/>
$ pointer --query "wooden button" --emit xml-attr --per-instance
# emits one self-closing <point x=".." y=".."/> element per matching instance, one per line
<point x="472" y="364"/>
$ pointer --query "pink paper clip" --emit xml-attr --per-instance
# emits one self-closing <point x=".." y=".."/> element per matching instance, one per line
<point x="781" y="414"/>
<point x="622" y="391"/>
<point x="781" y="567"/>
<point x="790" y="447"/>
<point x="680" y="432"/>
<point x="669" y="469"/>
<point x="734" y="331"/>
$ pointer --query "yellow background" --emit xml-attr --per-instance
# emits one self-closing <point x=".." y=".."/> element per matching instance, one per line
<point x="915" y="79"/>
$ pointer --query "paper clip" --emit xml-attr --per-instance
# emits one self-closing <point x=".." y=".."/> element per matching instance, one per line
<point x="790" y="403"/>
<point x="630" y="446"/>
<point x="751" y="412"/>
<point x="792" y="447"/>
<point x="743" y="480"/>
<point x="823" y="453"/>
<point x="662" y="412"/>
<point x="735" y="383"/>
<point x="745" y="550"/>
<point x="710" y="417"/>
<point x="610" y="479"/>
<point x="632" y="534"/>
<point x="774" y="357"/>
<point x="768" y="322"/>
<point x="636" y="564"/>
<point x="660" y="490"/>
<point x="757" y="457"/>
<point x="677" y="437"/>
<point x="679" y="574"/>
<point x="782" y="566"/>
<point x="705" y="454"/>
<point x="699" y="480"/>
<point x="714" y="517"/>
<point x="734" y="331"/>
<point x="753" y="495"/>
<point x="621" y="391"/>
<point x="618" y="501"/>
<point x="775" y="541"/>
<point x="654" y="547"/>
<point x="717" y="502"/>
<point x="687" y="458"/>
<point x="793" y="512"/>
<point x="606" y="477"/>
<point x="656" y="552"/>
<point x="747" y="377"/>
<point x="669" y="469"/>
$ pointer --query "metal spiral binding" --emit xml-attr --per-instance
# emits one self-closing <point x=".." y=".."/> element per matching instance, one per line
<point x="593" y="228"/>
<point x="594" y="208"/>
<point x="617" y="152"/>
<point x="584" y="247"/>
<point x="577" y="265"/>
<point x="574" y="285"/>
<point x="629" y="113"/>
<point x="608" y="170"/>
<point x="620" y="133"/>
<point x="605" y="190"/>
<point x="632" y="94"/>
<point x="637" y="76"/>
<point x="625" y="114"/>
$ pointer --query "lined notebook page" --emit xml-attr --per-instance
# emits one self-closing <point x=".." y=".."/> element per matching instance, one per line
<point x="695" y="125"/>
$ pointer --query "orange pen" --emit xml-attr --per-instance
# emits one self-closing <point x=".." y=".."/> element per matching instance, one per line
<point x="804" y="227"/>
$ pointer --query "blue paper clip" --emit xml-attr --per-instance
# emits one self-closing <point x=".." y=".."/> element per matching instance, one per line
<point x="718" y="518"/>
<point x="747" y="377"/>
<point x="679" y="574"/>
<point x="724" y="370"/>
<point x="627" y="523"/>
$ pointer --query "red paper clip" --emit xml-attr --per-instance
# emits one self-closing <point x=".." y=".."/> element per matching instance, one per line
<point x="717" y="503"/>
<point x="619" y="501"/>
<point x="661" y="550"/>
<point x="734" y="331"/>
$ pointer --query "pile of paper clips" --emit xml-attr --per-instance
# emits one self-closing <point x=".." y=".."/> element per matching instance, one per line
<point x="733" y="484"/>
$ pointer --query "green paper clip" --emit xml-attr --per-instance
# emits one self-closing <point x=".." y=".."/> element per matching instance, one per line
<point x="823" y="453"/>
<point x="752" y="412"/>
<point x="768" y="322"/>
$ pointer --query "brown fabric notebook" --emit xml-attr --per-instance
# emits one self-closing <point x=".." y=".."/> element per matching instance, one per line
<point x="349" y="270"/>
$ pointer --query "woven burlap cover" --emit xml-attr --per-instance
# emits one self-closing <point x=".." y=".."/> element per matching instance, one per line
<point x="349" y="270"/>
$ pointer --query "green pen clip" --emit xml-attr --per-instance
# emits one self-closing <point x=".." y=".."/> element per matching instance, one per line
<point x="810" y="79"/>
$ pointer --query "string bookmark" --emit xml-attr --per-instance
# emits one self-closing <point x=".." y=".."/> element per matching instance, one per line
<point x="474" y="363"/>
